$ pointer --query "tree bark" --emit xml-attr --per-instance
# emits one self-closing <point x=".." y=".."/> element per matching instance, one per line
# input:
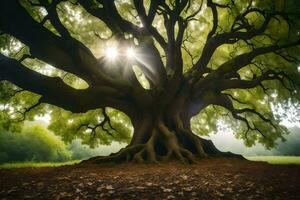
<point x="161" y="115"/>
<point x="161" y="133"/>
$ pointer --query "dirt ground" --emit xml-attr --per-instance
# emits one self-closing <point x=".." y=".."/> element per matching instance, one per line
<point x="210" y="179"/>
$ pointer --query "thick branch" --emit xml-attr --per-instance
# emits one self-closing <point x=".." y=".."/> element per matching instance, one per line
<point x="245" y="84"/>
<point x="54" y="18"/>
<point x="245" y="59"/>
<point x="215" y="18"/>
<point x="242" y="32"/>
<point x="43" y="44"/>
<point x="117" y="24"/>
<point x="67" y="54"/>
<point x="230" y="68"/>
<point x="54" y="91"/>
<point x="147" y="23"/>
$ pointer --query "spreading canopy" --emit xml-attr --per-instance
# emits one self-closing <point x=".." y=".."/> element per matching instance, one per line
<point x="237" y="59"/>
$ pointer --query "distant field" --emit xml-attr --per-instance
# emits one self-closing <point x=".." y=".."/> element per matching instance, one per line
<point x="36" y="164"/>
<point x="281" y="160"/>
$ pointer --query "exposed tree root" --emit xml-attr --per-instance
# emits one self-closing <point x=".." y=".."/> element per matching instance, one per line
<point x="165" y="145"/>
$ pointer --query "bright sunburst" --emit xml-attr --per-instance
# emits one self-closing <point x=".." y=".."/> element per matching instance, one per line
<point x="112" y="53"/>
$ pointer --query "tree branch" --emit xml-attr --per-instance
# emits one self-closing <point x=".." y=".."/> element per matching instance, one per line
<point x="230" y="68"/>
<point x="67" y="54"/>
<point x="243" y="32"/>
<point x="117" y="24"/>
<point x="93" y="127"/>
<point x="43" y="44"/>
<point x="245" y="59"/>
<point x="54" y="91"/>
<point x="225" y="102"/>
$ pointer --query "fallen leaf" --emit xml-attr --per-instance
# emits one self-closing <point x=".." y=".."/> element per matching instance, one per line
<point x="148" y="184"/>
<point x="184" y="177"/>
<point x="109" y="187"/>
<point x="170" y="197"/>
<point x="167" y="190"/>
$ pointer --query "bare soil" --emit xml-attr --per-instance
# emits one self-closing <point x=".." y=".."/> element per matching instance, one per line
<point x="214" y="178"/>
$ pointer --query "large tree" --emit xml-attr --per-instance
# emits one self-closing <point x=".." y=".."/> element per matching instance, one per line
<point x="164" y="62"/>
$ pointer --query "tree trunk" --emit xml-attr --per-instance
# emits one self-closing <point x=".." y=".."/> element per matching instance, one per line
<point x="162" y="133"/>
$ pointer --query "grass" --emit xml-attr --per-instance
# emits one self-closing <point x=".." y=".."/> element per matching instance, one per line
<point x="279" y="160"/>
<point x="36" y="164"/>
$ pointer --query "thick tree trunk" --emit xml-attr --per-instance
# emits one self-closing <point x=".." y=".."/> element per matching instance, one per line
<point x="163" y="136"/>
<point x="162" y="132"/>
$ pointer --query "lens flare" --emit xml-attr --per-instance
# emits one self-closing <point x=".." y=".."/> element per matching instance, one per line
<point x="111" y="53"/>
<point x="130" y="53"/>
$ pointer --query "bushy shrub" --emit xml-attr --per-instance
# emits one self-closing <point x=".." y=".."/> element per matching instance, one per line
<point x="34" y="143"/>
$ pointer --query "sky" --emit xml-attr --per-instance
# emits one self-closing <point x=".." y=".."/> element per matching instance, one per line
<point x="225" y="141"/>
<point x="288" y="114"/>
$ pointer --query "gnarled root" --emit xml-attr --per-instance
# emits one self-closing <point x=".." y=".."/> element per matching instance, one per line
<point x="124" y="155"/>
<point x="164" y="145"/>
<point x="173" y="147"/>
<point x="147" y="154"/>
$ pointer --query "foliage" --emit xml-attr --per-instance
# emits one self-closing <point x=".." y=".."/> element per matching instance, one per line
<point x="32" y="144"/>
<point x="85" y="125"/>
<point x="96" y="35"/>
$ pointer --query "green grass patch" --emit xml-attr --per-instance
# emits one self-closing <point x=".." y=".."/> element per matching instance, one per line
<point x="36" y="164"/>
<point x="280" y="160"/>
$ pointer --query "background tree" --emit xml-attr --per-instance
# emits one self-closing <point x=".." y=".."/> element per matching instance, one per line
<point x="34" y="143"/>
<point x="164" y="62"/>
